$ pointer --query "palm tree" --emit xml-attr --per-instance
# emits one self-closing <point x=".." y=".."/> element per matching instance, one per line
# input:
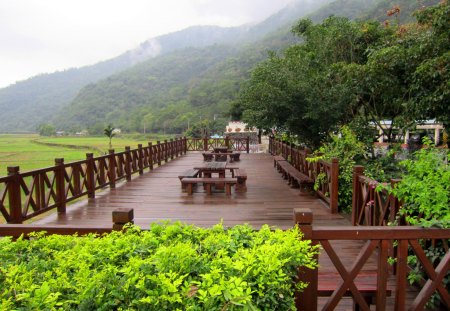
<point x="109" y="132"/>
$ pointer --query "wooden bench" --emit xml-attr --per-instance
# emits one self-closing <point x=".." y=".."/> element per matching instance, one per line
<point x="295" y="178"/>
<point x="365" y="282"/>
<point x="191" y="173"/>
<point x="208" y="182"/>
<point x="241" y="176"/>
<point x="277" y="159"/>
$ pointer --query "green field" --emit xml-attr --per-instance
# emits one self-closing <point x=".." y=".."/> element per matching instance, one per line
<point x="31" y="152"/>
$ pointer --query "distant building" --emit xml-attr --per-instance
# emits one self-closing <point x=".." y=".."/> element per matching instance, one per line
<point x="238" y="127"/>
<point x="429" y="125"/>
<point x="60" y="133"/>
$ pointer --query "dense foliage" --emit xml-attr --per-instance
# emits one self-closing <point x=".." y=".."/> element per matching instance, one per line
<point x="425" y="188"/>
<point x="347" y="71"/>
<point x="169" y="267"/>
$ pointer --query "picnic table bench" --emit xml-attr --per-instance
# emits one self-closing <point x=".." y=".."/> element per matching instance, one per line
<point x="208" y="182"/>
<point x="241" y="176"/>
<point x="190" y="173"/>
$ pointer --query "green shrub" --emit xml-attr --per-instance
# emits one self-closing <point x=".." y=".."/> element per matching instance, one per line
<point x="425" y="193"/>
<point x="169" y="267"/>
<point x="348" y="150"/>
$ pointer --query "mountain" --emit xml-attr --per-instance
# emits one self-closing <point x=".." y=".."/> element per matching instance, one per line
<point x="169" y="81"/>
<point x="168" y="92"/>
<point x="28" y="103"/>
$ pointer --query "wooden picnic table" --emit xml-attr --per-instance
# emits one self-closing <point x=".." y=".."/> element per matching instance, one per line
<point x="209" y="168"/>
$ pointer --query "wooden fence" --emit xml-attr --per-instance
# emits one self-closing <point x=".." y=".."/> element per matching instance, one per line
<point x="24" y="195"/>
<point x="327" y="172"/>
<point x="376" y="240"/>
<point x="371" y="207"/>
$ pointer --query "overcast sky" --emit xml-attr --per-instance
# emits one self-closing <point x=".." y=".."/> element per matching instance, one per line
<point x="40" y="36"/>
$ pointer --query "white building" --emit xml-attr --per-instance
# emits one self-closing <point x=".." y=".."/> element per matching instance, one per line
<point x="238" y="127"/>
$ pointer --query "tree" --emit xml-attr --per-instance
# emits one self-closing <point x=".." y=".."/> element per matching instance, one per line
<point x="109" y="132"/>
<point x="46" y="129"/>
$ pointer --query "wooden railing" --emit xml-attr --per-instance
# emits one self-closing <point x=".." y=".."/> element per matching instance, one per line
<point x="328" y="172"/>
<point x="377" y="241"/>
<point x="26" y="195"/>
<point x="372" y="207"/>
<point x="208" y="144"/>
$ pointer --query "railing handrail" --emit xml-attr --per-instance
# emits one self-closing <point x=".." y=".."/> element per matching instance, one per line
<point x="379" y="242"/>
<point x="54" y="186"/>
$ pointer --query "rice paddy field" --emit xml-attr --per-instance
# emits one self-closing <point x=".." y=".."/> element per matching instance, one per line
<point x="31" y="151"/>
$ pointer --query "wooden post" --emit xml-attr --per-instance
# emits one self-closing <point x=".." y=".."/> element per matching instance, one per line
<point x="140" y="159"/>
<point x="356" y="195"/>
<point x="128" y="163"/>
<point x="307" y="299"/>
<point x="171" y="149"/>
<point x="227" y="142"/>
<point x="76" y="176"/>
<point x="90" y="175"/>
<point x="158" y="150"/>
<point x="165" y="150"/>
<point x="150" y="155"/>
<point x="60" y="185"/>
<point x="205" y="143"/>
<point x="176" y="147"/>
<point x="185" y="144"/>
<point x="112" y="169"/>
<point x="15" y="201"/>
<point x="248" y="144"/>
<point x="394" y="204"/>
<point x="334" y="187"/>
<point x="121" y="217"/>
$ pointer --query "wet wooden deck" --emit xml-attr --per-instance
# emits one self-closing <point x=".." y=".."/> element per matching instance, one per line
<point x="157" y="195"/>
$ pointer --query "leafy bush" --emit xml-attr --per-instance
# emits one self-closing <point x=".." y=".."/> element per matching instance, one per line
<point x="348" y="150"/>
<point x="425" y="188"/>
<point x="425" y="193"/>
<point x="169" y="267"/>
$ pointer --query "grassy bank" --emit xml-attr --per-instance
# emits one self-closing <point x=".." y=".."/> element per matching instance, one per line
<point x="32" y="151"/>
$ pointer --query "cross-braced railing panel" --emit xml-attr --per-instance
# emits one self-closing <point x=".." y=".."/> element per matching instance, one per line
<point x="372" y="264"/>
<point x="26" y="195"/>
<point x="75" y="180"/>
<point x="372" y="204"/>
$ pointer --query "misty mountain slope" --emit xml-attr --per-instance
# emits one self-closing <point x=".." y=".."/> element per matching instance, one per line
<point x="28" y="103"/>
<point x="204" y="92"/>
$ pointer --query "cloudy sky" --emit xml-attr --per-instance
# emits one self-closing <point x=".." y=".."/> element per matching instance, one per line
<point x="40" y="36"/>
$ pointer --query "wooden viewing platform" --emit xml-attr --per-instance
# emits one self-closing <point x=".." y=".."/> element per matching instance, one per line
<point x="155" y="194"/>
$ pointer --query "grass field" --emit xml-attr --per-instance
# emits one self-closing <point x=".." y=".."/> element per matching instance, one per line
<point x="31" y="152"/>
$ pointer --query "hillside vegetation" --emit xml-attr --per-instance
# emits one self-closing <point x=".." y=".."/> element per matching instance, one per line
<point x="27" y="104"/>
<point x="173" y="92"/>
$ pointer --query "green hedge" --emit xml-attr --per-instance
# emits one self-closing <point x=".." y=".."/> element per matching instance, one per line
<point x="169" y="267"/>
